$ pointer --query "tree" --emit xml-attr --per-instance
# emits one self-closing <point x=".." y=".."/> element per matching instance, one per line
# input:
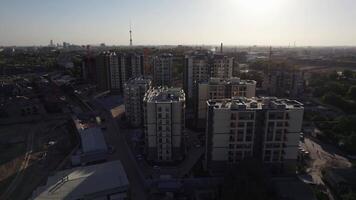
<point x="350" y="143"/>
<point x="347" y="73"/>
<point x="349" y="196"/>
<point x="352" y="92"/>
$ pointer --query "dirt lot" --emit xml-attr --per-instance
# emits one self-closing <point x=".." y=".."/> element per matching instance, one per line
<point x="34" y="151"/>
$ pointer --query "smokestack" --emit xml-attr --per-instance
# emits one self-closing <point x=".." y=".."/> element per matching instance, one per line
<point x="221" y="47"/>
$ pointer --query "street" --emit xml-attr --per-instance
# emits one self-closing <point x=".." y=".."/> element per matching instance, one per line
<point x="114" y="137"/>
<point x="323" y="156"/>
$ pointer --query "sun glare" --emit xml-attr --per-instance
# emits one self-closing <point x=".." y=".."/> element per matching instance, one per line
<point x="260" y="6"/>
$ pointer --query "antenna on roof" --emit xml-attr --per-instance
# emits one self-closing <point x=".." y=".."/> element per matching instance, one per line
<point x="130" y="34"/>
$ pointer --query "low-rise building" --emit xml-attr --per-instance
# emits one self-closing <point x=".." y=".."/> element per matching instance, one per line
<point x="102" y="181"/>
<point x="93" y="147"/>
<point x="164" y="124"/>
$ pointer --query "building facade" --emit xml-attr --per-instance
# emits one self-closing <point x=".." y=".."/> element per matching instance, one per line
<point x="135" y="90"/>
<point x="114" y="69"/>
<point x="163" y="68"/>
<point x="102" y="71"/>
<point x="200" y="66"/>
<point x="164" y="124"/>
<point x="282" y="82"/>
<point x="219" y="88"/>
<point x="264" y="128"/>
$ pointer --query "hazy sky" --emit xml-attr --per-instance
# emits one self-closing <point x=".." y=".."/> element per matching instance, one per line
<point x="233" y="22"/>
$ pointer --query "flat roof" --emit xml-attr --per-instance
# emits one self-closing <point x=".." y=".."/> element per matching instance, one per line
<point x="232" y="80"/>
<point x="164" y="94"/>
<point x="80" y="181"/>
<point x="92" y="139"/>
<point x="241" y="103"/>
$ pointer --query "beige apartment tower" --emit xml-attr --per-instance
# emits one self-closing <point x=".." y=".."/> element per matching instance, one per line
<point x="164" y="116"/>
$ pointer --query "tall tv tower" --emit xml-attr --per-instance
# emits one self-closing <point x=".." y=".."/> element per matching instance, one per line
<point x="130" y="35"/>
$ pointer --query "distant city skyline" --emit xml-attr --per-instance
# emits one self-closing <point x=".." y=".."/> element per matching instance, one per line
<point x="166" y="22"/>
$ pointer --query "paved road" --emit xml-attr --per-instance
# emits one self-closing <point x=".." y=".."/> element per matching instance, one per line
<point x="115" y="138"/>
<point x="323" y="156"/>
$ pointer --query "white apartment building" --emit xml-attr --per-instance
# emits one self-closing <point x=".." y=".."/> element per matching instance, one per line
<point x="134" y="92"/>
<point x="265" y="128"/>
<point x="163" y="68"/>
<point x="164" y="110"/>
<point x="220" y="88"/>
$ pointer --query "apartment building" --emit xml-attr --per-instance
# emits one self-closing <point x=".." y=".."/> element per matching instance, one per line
<point x="134" y="65"/>
<point x="163" y="68"/>
<point x="164" y="111"/>
<point x="102" y="71"/>
<point x="221" y="88"/>
<point x="197" y="69"/>
<point x="264" y="128"/>
<point x="114" y="69"/>
<point x="134" y="92"/>
<point x="222" y="66"/>
<point x="202" y="65"/>
<point x="283" y="82"/>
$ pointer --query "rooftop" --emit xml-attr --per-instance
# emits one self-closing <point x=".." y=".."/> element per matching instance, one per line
<point x="164" y="94"/>
<point x="77" y="182"/>
<point x="232" y="80"/>
<point x="256" y="103"/>
<point x="92" y="139"/>
<point x="138" y="81"/>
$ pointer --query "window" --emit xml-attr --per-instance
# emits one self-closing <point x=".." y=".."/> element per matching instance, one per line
<point x="249" y="124"/>
<point x="240" y="137"/>
<point x="248" y="138"/>
<point x="267" y="158"/>
<point x="269" y="136"/>
<point x="232" y="139"/>
<point x="278" y="136"/>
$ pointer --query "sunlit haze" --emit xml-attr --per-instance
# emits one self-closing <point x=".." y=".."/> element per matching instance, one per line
<point x="197" y="22"/>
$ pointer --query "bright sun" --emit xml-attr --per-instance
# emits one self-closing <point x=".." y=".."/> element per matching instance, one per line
<point x="260" y="6"/>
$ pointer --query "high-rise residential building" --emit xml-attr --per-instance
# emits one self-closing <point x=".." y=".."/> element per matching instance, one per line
<point x="134" y="92"/>
<point x="200" y="66"/>
<point x="264" y="128"/>
<point x="283" y="82"/>
<point x="222" y="66"/>
<point x="102" y="71"/>
<point x="163" y="69"/>
<point x="197" y="69"/>
<point x="88" y="69"/>
<point x="164" y="124"/>
<point x="114" y="69"/>
<point x="134" y="62"/>
<point x="221" y="88"/>
<point x="116" y="78"/>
